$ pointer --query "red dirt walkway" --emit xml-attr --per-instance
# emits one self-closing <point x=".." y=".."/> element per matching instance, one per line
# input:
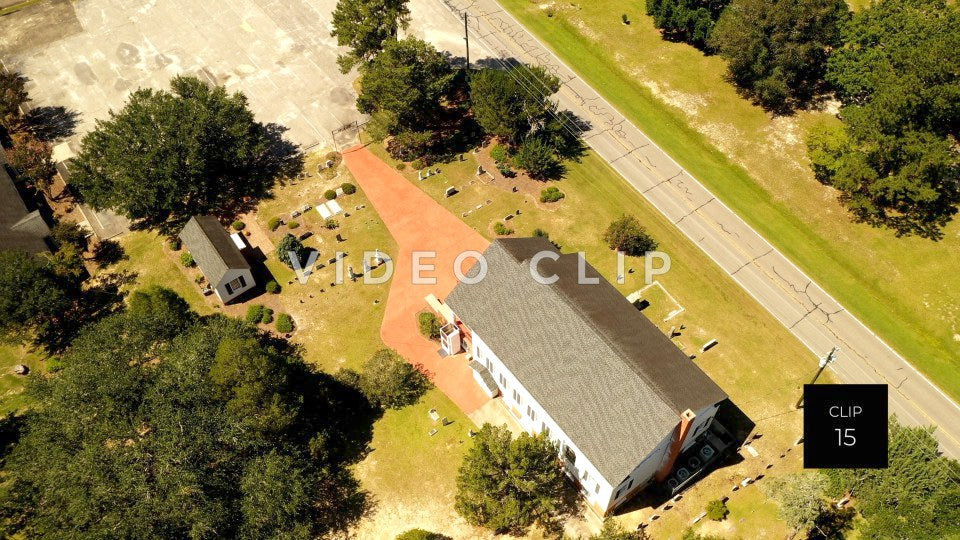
<point x="418" y="223"/>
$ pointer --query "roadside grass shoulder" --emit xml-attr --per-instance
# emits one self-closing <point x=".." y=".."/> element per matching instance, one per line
<point x="904" y="289"/>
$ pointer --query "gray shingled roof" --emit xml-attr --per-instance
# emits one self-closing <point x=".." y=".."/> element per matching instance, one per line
<point x="212" y="248"/>
<point x="18" y="225"/>
<point x="609" y="377"/>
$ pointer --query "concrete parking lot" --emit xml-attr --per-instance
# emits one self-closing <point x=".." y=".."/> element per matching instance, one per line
<point x="89" y="55"/>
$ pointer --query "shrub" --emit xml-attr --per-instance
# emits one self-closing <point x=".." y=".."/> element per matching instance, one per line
<point x="420" y="534"/>
<point x="348" y="188"/>
<point x="540" y="233"/>
<point x="501" y="229"/>
<point x="287" y="244"/>
<point x="284" y="323"/>
<point x="254" y="314"/>
<point x="391" y="382"/>
<point x="429" y="325"/>
<point x="186" y="259"/>
<point x="401" y="166"/>
<point x="717" y="510"/>
<point x="551" y="194"/>
<point x="267" y="316"/>
<point x="175" y="244"/>
<point x="272" y="287"/>
<point x="329" y="194"/>
<point x="505" y="170"/>
<point x="293" y="225"/>
<point x="331" y="223"/>
<point x="627" y="235"/>
<point x="238" y="225"/>
<point x="538" y="159"/>
<point x="418" y="164"/>
<point x="500" y="154"/>
<point x="273" y="224"/>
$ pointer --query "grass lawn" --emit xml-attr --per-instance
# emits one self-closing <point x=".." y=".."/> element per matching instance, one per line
<point x="150" y="262"/>
<point x="12" y="386"/>
<point x="905" y="289"/>
<point x="762" y="380"/>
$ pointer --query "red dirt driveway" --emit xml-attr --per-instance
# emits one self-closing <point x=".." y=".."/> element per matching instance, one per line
<point x="418" y="223"/>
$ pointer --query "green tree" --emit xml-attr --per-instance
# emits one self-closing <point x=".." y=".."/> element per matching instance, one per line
<point x="800" y="497"/>
<point x="690" y="21"/>
<point x="290" y="243"/>
<point x="508" y="103"/>
<point x="34" y="299"/>
<point x="895" y="160"/>
<point x="365" y="26"/>
<point x="508" y="484"/>
<point x="409" y="79"/>
<point x="627" y="235"/>
<point x="13" y="94"/>
<point x="390" y="382"/>
<point x="777" y="49"/>
<point x="166" y="156"/>
<point x="917" y="496"/>
<point x="70" y="243"/>
<point x="538" y="158"/>
<point x="140" y="436"/>
<point x="31" y="160"/>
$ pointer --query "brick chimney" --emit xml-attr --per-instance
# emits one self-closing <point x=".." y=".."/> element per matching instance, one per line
<point x="683" y="429"/>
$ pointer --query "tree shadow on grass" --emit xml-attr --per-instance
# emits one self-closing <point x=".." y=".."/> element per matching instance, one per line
<point x="108" y="252"/>
<point x="52" y="124"/>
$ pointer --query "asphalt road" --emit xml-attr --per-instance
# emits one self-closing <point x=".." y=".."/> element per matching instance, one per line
<point x="811" y="314"/>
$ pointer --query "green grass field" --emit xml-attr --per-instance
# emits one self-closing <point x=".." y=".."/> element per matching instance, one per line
<point x="905" y="289"/>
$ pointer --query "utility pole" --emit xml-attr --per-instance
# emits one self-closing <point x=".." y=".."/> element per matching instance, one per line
<point x="824" y="362"/>
<point x="466" y="38"/>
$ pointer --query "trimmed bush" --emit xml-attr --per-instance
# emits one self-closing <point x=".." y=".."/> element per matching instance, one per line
<point x="331" y="223"/>
<point x="293" y="225"/>
<point x="175" y="244"/>
<point x="186" y="259"/>
<point x="329" y="194"/>
<point x="348" y="188"/>
<point x="391" y="382"/>
<point x="238" y="225"/>
<point x="273" y="224"/>
<point x="284" y="323"/>
<point x="267" y="316"/>
<point x="255" y="314"/>
<point x="717" y="510"/>
<point x="429" y="325"/>
<point x="287" y="244"/>
<point x="500" y="154"/>
<point x="421" y="534"/>
<point x="501" y="229"/>
<point x="272" y="287"/>
<point x="551" y="194"/>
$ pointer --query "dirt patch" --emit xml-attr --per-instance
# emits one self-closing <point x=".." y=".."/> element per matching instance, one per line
<point x="37" y="25"/>
<point x="690" y="104"/>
